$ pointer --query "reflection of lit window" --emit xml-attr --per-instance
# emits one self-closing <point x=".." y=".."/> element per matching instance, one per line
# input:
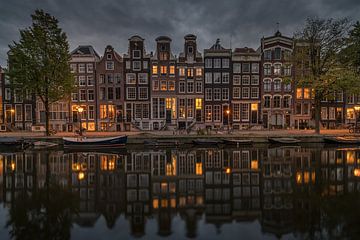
<point x="164" y="203"/>
<point x="155" y="203"/>
<point x="350" y="157"/>
<point x="173" y="203"/>
<point x="182" y="201"/>
<point x="298" y="178"/>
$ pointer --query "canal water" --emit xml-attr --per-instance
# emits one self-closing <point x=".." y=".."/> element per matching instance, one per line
<point x="265" y="192"/>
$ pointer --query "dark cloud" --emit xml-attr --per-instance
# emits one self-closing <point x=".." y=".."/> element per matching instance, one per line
<point x="100" y="23"/>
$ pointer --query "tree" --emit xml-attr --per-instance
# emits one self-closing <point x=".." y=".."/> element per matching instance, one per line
<point x="39" y="62"/>
<point x="351" y="54"/>
<point x="324" y="40"/>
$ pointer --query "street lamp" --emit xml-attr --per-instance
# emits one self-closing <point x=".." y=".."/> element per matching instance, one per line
<point x="80" y="110"/>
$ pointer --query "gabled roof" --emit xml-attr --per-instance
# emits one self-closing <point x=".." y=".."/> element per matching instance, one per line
<point x="85" y="50"/>
<point x="217" y="45"/>
<point x="136" y="38"/>
<point x="244" y="50"/>
<point x="163" y="38"/>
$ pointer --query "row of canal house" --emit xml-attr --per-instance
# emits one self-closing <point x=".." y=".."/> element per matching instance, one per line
<point x="223" y="88"/>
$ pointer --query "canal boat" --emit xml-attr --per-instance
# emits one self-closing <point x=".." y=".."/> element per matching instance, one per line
<point x="162" y="143"/>
<point x="342" y="140"/>
<point x="82" y="142"/>
<point x="205" y="141"/>
<point x="237" y="141"/>
<point x="284" y="140"/>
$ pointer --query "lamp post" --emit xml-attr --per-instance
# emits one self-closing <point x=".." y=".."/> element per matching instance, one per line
<point x="80" y="110"/>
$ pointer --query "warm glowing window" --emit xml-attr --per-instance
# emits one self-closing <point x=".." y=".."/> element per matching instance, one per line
<point x="254" y="107"/>
<point x="306" y="93"/>
<point x="182" y="71"/>
<point x="168" y="103"/>
<point x="350" y="157"/>
<point x="190" y="72"/>
<point x="254" y="164"/>
<point x="198" y="104"/>
<point x="172" y="70"/>
<point x="91" y="126"/>
<point x="173" y="203"/>
<point x="171" y="85"/>
<point x="103" y="162"/>
<point x="103" y="111"/>
<point x="111" y="111"/>
<point x="155" y="203"/>
<point x="199" y="169"/>
<point x="299" y="93"/>
<point x="163" y="85"/>
<point x="199" y="72"/>
<point x="154" y="70"/>
<point x="163" y="69"/>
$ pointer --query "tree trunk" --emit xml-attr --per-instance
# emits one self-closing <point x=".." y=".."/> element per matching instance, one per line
<point x="317" y="113"/>
<point x="47" y="117"/>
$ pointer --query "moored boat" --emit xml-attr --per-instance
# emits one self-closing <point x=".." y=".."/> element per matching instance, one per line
<point x="95" y="142"/>
<point x="206" y="142"/>
<point x="162" y="143"/>
<point x="284" y="140"/>
<point x="342" y="140"/>
<point x="237" y="141"/>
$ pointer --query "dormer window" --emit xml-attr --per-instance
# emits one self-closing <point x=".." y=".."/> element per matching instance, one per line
<point x="163" y="48"/>
<point x="108" y="56"/>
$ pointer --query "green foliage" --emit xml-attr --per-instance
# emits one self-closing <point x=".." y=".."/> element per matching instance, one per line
<point x="39" y="62"/>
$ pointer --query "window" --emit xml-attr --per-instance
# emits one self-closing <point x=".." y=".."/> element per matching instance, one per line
<point x="136" y="65"/>
<point x="190" y="87"/>
<point x="74" y="96"/>
<point x="73" y="68"/>
<point x="277" y="85"/>
<point x="236" y="112"/>
<point x="324" y="114"/>
<point x="102" y="79"/>
<point x="254" y="92"/>
<point x="18" y="113"/>
<point x="131" y="78"/>
<point x="208" y="63"/>
<point x="143" y="93"/>
<point x="245" y="92"/>
<point x="108" y="56"/>
<point x="306" y="93"/>
<point x="236" y="80"/>
<point x="109" y="65"/>
<point x="277" y="69"/>
<point x="217" y="77"/>
<point x="190" y="72"/>
<point x="287" y="70"/>
<point x="331" y="113"/>
<point x="208" y="113"/>
<point x="198" y="72"/>
<point x="277" y="102"/>
<point x="267" y="85"/>
<point x="208" y="94"/>
<point x="246" y="67"/>
<point x="163" y="85"/>
<point x="131" y="93"/>
<point x="225" y="77"/>
<point x="143" y="78"/>
<point x="298" y="108"/>
<point x="172" y="70"/>
<point x="110" y="93"/>
<point x="287" y="87"/>
<point x="299" y="93"/>
<point x="91" y="95"/>
<point x="163" y="70"/>
<point x="91" y="112"/>
<point x="145" y="64"/>
<point x="225" y="63"/>
<point x="237" y="68"/>
<point x="225" y="94"/>
<point x="171" y="85"/>
<point x="267" y="69"/>
<point x="82" y="81"/>
<point x="156" y="85"/>
<point x="267" y="55"/>
<point x="154" y="70"/>
<point x="117" y="93"/>
<point x="118" y="78"/>
<point x="254" y="80"/>
<point x="182" y="87"/>
<point x="236" y="92"/>
<point x="109" y="78"/>
<point x="7" y="94"/>
<point x="245" y="80"/>
<point x="217" y="113"/>
<point x="306" y="109"/>
<point x="244" y="112"/>
<point x="254" y="68"/>
<point x="286" y="101"/>
<point x="127" y="64"/>
<point x="28" y="112"/>
<point x="136" y="54"/>
<point x="181" y="71"/>
<point x="267" y="101"/>
<point x="190" y="108"/>
<point x="198" y="87"/>
<point x="82" y="95"/>
<point x="81" y="68"/>
<point x="208" y="77"/>
<point x="277" y="54"/>
<point x="217" y="63"/>
<point x="90" y="80"/>
<point x="102" y="94"/>
<point x="17" y="96"/>
<point x="217" y="94"/>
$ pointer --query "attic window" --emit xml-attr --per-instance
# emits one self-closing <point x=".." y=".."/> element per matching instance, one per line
<point x="136" y="53"/>
<point x="190" y="49"/>
<point x="108" y="56"/>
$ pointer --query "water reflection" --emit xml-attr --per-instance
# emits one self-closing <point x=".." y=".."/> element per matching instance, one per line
<point x="292" y="191"/>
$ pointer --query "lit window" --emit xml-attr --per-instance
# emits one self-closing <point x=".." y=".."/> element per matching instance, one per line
<point x="198" y="103"/>
<point x="163" y="69"/>
<point x="306" y="93"/>
<point x="199" y="72"/>
<point x="154" y="70"/>
<point x="299" y="93"/>
<point x="190" y="72"/>
<point x="172" y="70"/>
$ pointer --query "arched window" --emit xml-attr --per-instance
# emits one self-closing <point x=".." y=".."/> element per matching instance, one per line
<point x="267" y="85"/>
<point x="277" y="85"/>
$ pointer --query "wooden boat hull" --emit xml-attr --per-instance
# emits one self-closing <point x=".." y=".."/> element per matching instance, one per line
<point x="342" y="140"/>
<point x="206" y="142"/>
<point x="284" y="140"/>
<point x="95" y="142"/>
<point x="155" y="143"/>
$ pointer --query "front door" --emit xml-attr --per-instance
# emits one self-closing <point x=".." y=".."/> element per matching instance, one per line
<point x="168" y="115"/>
<point x="265" y="121"/>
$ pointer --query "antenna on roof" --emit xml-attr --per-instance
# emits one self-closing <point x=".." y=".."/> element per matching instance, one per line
<point x="230" y="40"/>
<point x="278" y="27"/>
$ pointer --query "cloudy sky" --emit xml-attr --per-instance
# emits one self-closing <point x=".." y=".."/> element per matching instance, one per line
<point x="103" y="22"/>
